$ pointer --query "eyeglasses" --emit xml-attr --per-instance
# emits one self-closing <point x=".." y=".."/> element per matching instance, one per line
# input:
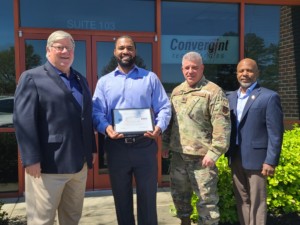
<point x="60" y="48"/>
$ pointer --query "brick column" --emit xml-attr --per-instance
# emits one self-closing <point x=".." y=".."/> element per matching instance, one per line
<point x="289" y="62"/>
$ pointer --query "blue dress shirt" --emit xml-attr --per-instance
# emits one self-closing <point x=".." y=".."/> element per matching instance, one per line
<point x="241" y="102"/>
<point x="71" y="83"/>
<point x="137" y="89"/>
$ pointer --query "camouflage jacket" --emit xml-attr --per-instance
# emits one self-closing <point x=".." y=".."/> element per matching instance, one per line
<point x="200" y="122"/>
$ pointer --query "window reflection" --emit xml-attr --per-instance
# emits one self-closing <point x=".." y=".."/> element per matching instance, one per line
<point x="35" y="53"/>
<point x="7" y="65"/>
<point x="79" y="62"/>
<point x="9" y="162"/>
<point x="8" y="143"/>
<point x="199" y="29"/>
<point x="6" y="110"/>
<point x="106" y="15"/>
<point x="262" y="34"/>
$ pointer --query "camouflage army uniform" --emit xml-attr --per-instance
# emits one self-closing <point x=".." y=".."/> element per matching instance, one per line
<point x="200" y="126"/>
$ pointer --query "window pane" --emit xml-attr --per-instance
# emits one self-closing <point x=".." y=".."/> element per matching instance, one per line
<point x="262" y="35"/>
<point x="79" y="62"/>
<point x="35" y="53"/>
<point x="7" y="63"/>
<point x="8" y="162"/>
<point x="125" y="15"/>
<point x="199" y="29"/>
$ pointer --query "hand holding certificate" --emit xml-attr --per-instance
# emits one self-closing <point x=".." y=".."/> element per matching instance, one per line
<point x="132" y="121"/>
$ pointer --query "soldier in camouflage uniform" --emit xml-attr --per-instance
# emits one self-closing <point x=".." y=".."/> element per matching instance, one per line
<point x="198" y="135"/>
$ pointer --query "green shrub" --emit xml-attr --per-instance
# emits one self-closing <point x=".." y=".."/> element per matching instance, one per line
<point x="283" y="187"/>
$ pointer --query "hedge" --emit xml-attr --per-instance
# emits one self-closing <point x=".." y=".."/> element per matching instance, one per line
<point x="283" y="188"/>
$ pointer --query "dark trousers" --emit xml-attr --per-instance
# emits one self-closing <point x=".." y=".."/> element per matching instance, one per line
<point x="126" y="161"/>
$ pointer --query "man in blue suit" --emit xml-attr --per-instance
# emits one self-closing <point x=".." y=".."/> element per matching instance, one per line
<point x="54" y="129"/>
<point x="255" y="145"/>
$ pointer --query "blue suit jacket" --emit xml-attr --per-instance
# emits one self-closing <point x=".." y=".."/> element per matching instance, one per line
<point x="260" y="131"/>
<point x="51" y="127"/>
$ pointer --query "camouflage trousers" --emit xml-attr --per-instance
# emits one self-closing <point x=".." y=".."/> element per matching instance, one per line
<point x="188" y="175"/>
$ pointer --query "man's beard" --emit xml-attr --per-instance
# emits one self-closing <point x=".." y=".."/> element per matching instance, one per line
<point x="126" y="64"/>
<point x="246" y="85"/>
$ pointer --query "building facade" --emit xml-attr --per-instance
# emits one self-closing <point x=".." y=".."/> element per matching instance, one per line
<point x="223" y="31"/>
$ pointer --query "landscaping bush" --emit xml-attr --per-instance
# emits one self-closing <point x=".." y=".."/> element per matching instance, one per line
<point x="283" y="187"/>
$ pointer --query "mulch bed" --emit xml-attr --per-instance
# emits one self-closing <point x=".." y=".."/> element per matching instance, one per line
<point x="287" y="219"/>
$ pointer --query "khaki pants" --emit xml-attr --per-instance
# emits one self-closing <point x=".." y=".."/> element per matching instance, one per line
<point x="250" y="190"/>
<point x="63" y="193"/>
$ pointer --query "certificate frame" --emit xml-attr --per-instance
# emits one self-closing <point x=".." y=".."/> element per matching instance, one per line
<point x="133" y="121"/>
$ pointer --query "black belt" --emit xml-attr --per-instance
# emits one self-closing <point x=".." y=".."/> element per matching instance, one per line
<point x="132" y="140"/>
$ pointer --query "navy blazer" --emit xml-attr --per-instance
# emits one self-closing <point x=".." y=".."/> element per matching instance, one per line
<point x="51" y="127"/>
<point x="260" y="131"/>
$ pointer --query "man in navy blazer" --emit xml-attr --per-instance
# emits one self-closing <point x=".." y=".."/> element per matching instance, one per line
<point x="255" y="145"/>
<point x="54" y="129"/>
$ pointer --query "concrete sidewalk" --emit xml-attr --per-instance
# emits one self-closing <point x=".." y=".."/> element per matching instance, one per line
<point x="98" y="209"/>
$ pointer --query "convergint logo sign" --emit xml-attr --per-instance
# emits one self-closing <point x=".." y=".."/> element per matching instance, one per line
<point x="213" y="49"/>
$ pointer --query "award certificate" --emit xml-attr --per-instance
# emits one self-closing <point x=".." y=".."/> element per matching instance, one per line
<point x="132" y="121"/>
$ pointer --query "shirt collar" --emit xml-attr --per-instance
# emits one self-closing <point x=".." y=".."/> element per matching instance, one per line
<point x="248" y="91"/>
<point x="202" y="82"/>
<point x="119" y="72"/>
<point x="63" y="74"/>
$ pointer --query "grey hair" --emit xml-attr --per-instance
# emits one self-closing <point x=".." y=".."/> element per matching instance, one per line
<point x="58" y="35"/>
<point x="192" y="56"/>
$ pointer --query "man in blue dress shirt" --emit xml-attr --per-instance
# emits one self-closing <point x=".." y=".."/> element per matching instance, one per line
<point x="131" y="87"/>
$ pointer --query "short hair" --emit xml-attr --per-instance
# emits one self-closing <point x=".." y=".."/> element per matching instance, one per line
<point x="125" y="36"/>
<point x="249" y="60"/>
<point x="192" y="56"/>
<point x="58" y="35"/>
